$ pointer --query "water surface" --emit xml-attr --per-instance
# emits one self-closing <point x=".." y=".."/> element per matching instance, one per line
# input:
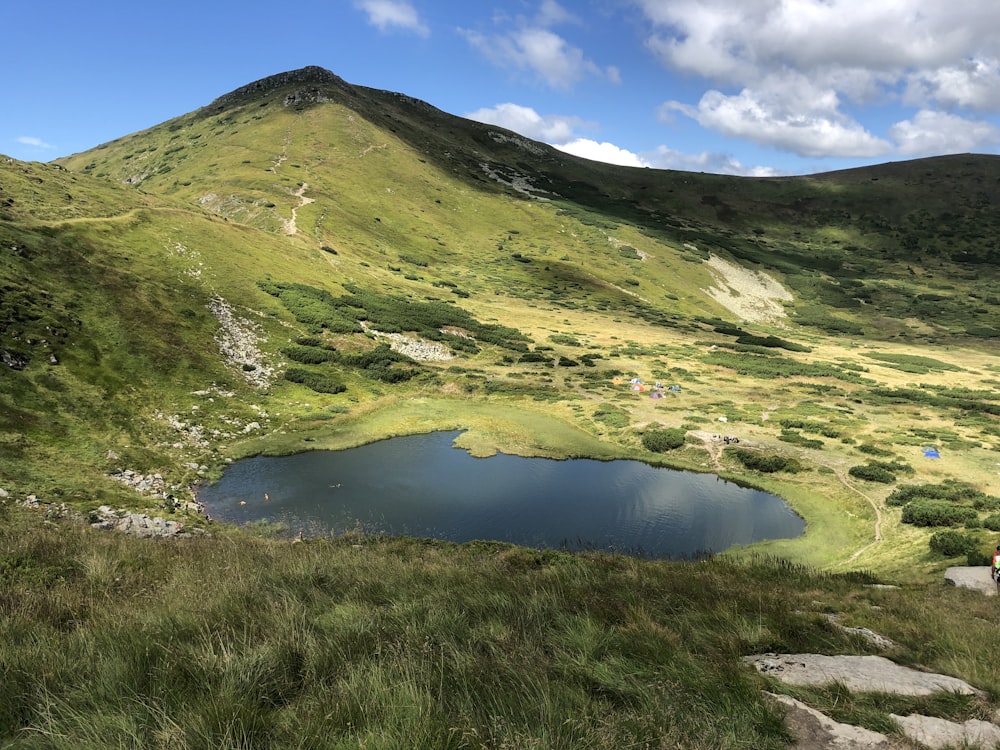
<point x="422" y="486"/>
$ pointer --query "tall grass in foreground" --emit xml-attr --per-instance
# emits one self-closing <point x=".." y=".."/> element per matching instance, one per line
<point x="241" y="642"/>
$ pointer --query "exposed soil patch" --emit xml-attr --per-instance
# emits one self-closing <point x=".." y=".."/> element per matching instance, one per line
<point x="752" y="295"/>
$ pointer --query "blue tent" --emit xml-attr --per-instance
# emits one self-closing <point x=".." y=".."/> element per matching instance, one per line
<point x="931" y="452"/>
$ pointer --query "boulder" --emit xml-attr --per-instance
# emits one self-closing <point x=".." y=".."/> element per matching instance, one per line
<point x="972" y="577"/>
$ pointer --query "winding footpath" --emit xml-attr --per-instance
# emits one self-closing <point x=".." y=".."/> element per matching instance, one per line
<point x="290" y="224"/>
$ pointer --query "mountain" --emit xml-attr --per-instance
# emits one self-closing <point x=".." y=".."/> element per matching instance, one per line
<point x="837" y="239"/>
<point x="269" y="245"/>
<point x="304" y="263"/>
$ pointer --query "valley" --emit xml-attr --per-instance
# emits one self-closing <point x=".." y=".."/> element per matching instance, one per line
<point x="304" y="265"/>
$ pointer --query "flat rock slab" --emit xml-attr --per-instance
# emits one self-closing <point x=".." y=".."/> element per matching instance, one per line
<point x="977" y="578"/>
<point x="941" y="733"/>
<point x="812" y="729"/>
<point x="866" y="674"/>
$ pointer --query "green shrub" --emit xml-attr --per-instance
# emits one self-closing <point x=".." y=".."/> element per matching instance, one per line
<point x="796" y="438"/>
<point x="660" y="441"/>
<point x="535" y="357"/>
<point x="936" y="513"/>
<point x="872" y="473"/>
<point x="956" y="492"/>
<point x="951" y="543"/>
<point x="766" y="464"/>
<point x="308" y="355"/>
<point x="873" y="450"/>
<point x="317" y="381"/>
<point x="992" y="522"/>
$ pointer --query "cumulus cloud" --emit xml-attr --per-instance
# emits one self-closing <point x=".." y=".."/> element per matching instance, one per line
<point x="28" y="140"/>
<point x="526" y="121"/>
<point x="705" y="161"/>
<point x="974" y="84"/>
<point x="606" y="152"/>
<point x="795" y="116"/>
<point x="533" y="47"/>
<point x="393" y="14"/>
<point x="787" y="74"/>
<point x="931" y="132"/>
<point x="735" y="39"/>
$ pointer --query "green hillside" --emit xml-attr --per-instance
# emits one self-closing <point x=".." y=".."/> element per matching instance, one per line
<point x="236" y="281"/>
<point x="263" y="246"/>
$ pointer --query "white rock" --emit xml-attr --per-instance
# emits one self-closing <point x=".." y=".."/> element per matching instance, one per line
<point x="868" y="674"/>
<point x="941" y="733"/>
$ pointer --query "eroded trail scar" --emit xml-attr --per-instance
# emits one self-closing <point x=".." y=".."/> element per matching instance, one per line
<point x="290" y="225"/>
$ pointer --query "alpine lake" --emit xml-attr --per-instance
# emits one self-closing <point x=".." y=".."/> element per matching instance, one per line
<point x="423" y="486"/>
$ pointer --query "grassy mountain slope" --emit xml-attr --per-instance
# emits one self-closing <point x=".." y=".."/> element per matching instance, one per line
<point x="226" y="283"/>
<point x="310" y="217"/>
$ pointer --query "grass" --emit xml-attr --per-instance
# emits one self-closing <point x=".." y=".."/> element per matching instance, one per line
<point x="243" y="641"/>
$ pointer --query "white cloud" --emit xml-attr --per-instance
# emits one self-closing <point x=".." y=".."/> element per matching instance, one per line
<point x="740" y="40"/>
<point x="28" y="140"/>
<point x="390" y="14"/>
<point x="606" y="152"/>
<point x="552" y="13"/>
<point x="527" y="122"/>
<point x="972" y="83"/>
<point x="795" y="116"/>
<point x="788" y="72"/>
<point x="942" y="133"/>
<point x="534" y="47"/>
<point x="540" y="51"/>
<point x="706" y="161"/>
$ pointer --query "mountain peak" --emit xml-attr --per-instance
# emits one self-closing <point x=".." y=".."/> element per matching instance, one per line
<point x="309" y="75"/>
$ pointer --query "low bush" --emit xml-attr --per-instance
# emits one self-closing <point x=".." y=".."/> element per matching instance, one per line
<point x="766" y="464"/>
<point x="317" y="381"/>
<point x="956" y="492"/>
<point x="872" y="473"/>
<point x="308" y="355"/>
<point x="951" y="543"/>
<point x="936" y="513"/>
<point x="796" y="438"/>
<point x="663" y="440"/>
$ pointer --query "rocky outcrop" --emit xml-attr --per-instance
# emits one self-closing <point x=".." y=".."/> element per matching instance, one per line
<point x="939" y="733"/>
<point x="310" y="80"/>
<point x="139" y="524"/>
<point x="238" y="340"/>
<point x="813" y="729"/>
<point x="13" y="360"/>
<point x="105" y="517"/>
<point x="856" y="673"/>
<point x="972" y="577"/>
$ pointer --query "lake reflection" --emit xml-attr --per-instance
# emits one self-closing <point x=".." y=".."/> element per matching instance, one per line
<point x="422" y="486"/>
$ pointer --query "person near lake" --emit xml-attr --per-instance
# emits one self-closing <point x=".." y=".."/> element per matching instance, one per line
<point x="995" y="570"/>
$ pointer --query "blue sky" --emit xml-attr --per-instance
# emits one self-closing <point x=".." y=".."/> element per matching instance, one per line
<point x="730" y="86"/>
